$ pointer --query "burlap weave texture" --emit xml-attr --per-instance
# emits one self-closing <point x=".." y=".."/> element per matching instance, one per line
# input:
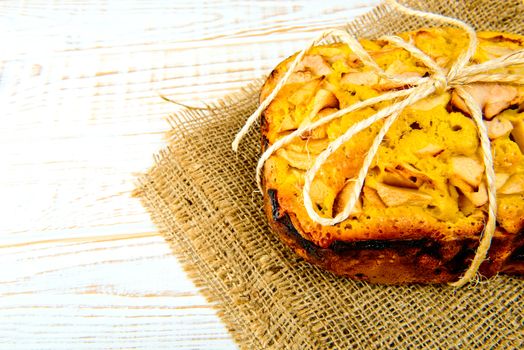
<point x="203" y="198"/>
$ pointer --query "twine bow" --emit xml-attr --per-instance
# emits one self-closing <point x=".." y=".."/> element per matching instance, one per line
<point x="438" y="82"/>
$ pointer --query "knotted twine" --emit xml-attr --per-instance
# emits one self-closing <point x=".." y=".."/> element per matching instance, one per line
<point x="458" y="76"/>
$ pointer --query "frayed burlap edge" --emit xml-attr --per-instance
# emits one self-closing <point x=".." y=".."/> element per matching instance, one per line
<point x="179" y="229"/>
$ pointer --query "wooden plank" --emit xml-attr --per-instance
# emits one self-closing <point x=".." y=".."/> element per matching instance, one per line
<point x="107" y="292"/>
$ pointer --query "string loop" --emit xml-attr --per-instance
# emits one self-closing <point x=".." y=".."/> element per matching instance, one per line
<point x="418" y="88"/>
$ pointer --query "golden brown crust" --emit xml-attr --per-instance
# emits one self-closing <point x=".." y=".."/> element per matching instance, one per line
<point x="400" y="246"/>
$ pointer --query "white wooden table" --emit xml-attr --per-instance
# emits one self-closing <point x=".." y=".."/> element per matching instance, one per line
<point x="81" y="264"/>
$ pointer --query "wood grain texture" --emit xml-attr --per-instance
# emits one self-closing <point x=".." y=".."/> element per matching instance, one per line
<point x="82" y="264"/>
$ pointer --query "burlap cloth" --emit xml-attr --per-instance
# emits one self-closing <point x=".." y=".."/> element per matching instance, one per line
<point x="202" y="197"/>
